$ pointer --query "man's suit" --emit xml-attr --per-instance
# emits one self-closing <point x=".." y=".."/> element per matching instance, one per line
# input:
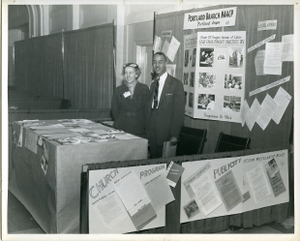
<point x="167" y="119"/>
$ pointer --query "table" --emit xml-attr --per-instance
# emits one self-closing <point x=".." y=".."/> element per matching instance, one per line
<point x="46" y="165"/>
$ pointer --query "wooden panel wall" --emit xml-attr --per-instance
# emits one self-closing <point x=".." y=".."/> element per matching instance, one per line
<point x="246" y="20"/>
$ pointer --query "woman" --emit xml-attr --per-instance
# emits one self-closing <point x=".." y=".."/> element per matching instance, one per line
<point x="129" y="102"/>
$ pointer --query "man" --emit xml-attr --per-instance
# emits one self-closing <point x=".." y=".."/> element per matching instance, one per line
<point x="165" y="107"/>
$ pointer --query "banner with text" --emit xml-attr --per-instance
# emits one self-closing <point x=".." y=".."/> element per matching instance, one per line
<point x="210" y="19"/>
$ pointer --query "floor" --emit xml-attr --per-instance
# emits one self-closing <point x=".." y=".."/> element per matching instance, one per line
<point x="19" y="219"/>
<point x="21" y="222"/>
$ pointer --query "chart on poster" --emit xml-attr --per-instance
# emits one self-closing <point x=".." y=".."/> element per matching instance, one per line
<point x="214" y="75"/>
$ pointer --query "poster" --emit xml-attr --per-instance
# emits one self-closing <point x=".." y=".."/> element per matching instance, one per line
<point x="273" y="59"/>
<point x="258" y="183"/>
<point x="214" y="75"/>
<point x="288" y="47"/>
<point x="113" y="209"/>
<point x="206" y="194"/>
<point x="243" y="183"/>
<point x="135" y="199"/>
<point x="229" y="190"/>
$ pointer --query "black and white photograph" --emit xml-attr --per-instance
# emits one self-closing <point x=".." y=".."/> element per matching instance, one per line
<point x="186" y="57"/>
<point x="191" y="209"/>
<point x="191" y="100"/>
<point x="232" y="103"/>
<point x="236" y="57"/>
<point x="192" y="79"/>
<point x="94" y="115"/>
<point x="206" y="57"/>
<point x="206" y="102"/>
<point x="221" y="57"/>
<point x="207" y="80"/>
<point x="186" y="78"/>
<point x="233" y="82"/>
<point x="194" y="57"/>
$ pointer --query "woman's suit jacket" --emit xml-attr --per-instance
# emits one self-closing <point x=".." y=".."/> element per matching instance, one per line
<point x="129" y="113"/>
<point x="170" y="112"/>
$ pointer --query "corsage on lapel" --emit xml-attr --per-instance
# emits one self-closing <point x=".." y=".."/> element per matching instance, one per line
<point x="127" y="94"/>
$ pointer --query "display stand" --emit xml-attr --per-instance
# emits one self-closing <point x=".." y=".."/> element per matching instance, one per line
<point x="249" y="218"/>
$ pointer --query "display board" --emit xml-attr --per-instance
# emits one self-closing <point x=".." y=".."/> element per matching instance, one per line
<point x="227" y="186"/>
<point x="230" y="176"/>
<point x="214" y="75"/>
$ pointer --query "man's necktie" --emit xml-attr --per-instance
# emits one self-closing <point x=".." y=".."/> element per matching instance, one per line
<point x="155" y="98"/>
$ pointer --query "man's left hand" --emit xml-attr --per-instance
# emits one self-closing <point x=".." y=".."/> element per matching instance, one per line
<point x="173" y="141"/>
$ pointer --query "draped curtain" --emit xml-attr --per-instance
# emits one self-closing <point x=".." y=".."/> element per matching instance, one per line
<point x="247" y="18"/>
<point x="77" y="65"/>
<point x="38" y="64"/>
<point x="88" y="67"/>
<point x="21" y="66"/>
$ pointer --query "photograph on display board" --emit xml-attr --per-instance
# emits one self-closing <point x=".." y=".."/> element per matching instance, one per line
<point x="191" y="100"/>
<point x="272" y="168"/>
<point x="233" y="82"/>
<point x="236" y="57"/>
<point x="232" y="103"/>
<point x="185" y="96"/>
<point x="221" y="57"/>
<point x="207" y="80"/>
<point x="206" y="57"/>
<point x="206" y="102"/>
<point x="186" y="78"/>
<point x="191" y="209"/>
<point x="194" y="57"/>
<point x="192" y="79"/>
<point x="186" y="57"/>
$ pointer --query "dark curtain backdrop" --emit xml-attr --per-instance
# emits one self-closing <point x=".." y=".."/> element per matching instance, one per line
<point x="21" y="66"/>
<point x="38" y="64"/>
<point x="88" y="67"/>
<point x="246" y="20"/>
<point x="76" y="65"/>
